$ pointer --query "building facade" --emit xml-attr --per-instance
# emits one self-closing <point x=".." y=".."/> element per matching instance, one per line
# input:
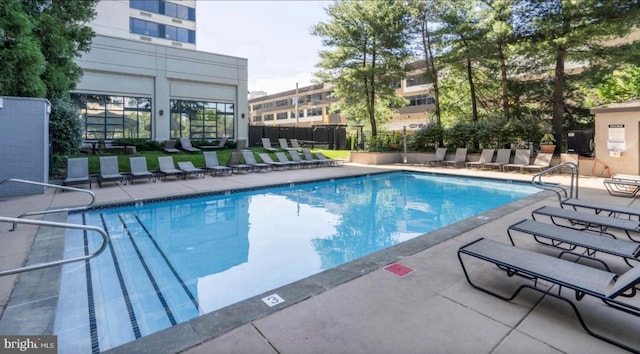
<point x="156" y="85"/>
<point x="312" y="104"/>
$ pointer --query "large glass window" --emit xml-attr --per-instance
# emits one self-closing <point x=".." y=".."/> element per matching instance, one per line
<point x="158" y="30"/>
<point x="421" y="100"/>
<point x="201" y="120"/>
<point x="143" y="27"/>
<point x="164" y="8"/>
<point x="145" y="5"/>
<point x="114" y="117"/>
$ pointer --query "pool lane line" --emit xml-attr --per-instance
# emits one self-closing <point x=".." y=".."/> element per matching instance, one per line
<point x="173" y="270"/>
<point x="93" y="327"/>
<point x="152" y="279"/>
<point x="123" y="286"/>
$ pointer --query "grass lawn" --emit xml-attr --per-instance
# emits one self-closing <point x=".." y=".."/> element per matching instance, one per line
<point x="196" y="158"/>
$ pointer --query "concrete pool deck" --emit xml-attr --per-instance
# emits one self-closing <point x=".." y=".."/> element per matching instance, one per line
<point x="360" y="307"/>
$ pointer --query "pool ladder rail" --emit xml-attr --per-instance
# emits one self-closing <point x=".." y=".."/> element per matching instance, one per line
<point x="559" y="190"/>
<point x="20" y="220"/>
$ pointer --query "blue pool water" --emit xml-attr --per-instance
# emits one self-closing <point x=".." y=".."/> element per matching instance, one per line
<point x="170" y="261"/>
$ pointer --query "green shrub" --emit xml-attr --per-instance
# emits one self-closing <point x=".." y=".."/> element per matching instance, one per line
<point x="425" y="139"/>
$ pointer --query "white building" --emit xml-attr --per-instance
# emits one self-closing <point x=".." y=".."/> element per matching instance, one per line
<point x="143" y="77"/>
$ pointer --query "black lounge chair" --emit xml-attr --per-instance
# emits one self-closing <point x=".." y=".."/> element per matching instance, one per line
<point x="139" y="169"/>
<point x="601" y="208"/>
<point x="212" y="164"/>
<point x="167" y="168"/>
<point x="583" y="280"/>
<point x="185" y="144"/>
<point x="437" y="160"/>
<point x="190" y="169"/>
<point x="109" y="170"/>
<point x="568" y="240"/>
<point x="77" y="171"/>
<point x="588" y="221"/>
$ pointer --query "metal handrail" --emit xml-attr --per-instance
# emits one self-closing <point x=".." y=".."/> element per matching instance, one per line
<point x="536" y="180"/>
<point x="49" y="211"/>
<point x="105" y="240"/>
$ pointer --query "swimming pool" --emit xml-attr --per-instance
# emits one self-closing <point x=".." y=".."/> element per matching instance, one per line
<point x="170" y="261"/>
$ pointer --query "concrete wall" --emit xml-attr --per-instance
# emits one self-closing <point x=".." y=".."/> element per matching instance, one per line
<point x="117" y="66"/>
<point x="617" y="128"/>
<point x="24" y="144"/>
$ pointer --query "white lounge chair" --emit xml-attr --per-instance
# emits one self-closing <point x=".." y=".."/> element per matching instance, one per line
<point x="458" y="160"/>
<point x="437" y="160"/>
<point x="502" y="158"/>
<point x="542" y="161"/>
<point x="521" y="159"/>
<point x="485" y="156"/>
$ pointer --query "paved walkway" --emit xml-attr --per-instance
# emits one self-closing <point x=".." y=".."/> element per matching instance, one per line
<point x="361" y="308"/>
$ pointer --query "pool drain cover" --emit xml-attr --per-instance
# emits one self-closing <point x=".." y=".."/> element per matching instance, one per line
<point x="398" y="269"/>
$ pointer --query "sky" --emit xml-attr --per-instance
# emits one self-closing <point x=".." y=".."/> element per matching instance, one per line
<point x="275" y="37"/>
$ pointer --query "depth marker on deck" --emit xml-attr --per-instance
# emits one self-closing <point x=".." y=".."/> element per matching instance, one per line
<point x="272" y="300"/>
<point x="399" y="270"/>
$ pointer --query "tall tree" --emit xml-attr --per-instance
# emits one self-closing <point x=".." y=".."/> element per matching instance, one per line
<point x="43" y="37"/>
<point x="563" y="31"/>
<point x="367" y="45"/>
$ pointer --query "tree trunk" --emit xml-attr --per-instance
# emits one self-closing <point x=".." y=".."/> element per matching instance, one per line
<point x="505" y="84"/>
<point x="558" y="96"/>
<point x="472" y="90"/>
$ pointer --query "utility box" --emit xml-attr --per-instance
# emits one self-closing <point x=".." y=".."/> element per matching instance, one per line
<point x="24" y="144"/>
<point x="580" y="142"/>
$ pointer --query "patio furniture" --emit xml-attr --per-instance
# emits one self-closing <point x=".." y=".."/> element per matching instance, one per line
<point x="522" y="159"/>
<point x="235" y="163"/>
<point x="190" y="169"/>
<point x="185" y="144"/>
<point x="109" y="170"/>
<point x="170" y="147"/>
<point x="568" y="240"/>
<point x="221" y="145"/>
<point x="167" y="168"/>
<point x="250" y="159"/>
<point x="266" y="144"/>
<point x="212" y="164"/>
<point x="275" y="164"/>
<point x="284" y="159"/>
<point x="599" y="207"/>
<point x="77" y="171"/>
<point x="621" y="187"/>
<point x="542" y="161"/>
<point x="295" y="156"/>
<point x="440" y="154"/>
<point x="139" y="169"/>
<point x="588" y="221"/>
<point x="284" y="145"/>
<point x="573" y="281"/>
<point x="485" y="156"/>
<point x="459" y="159"/>
<point x="331" y="162"/>
<point x="501" y="159"/>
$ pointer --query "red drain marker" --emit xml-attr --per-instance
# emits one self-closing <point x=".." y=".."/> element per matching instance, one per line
<point x="398" y="269"/>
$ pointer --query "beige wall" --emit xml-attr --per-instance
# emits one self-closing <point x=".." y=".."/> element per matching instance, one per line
<point x="625" y="116"/>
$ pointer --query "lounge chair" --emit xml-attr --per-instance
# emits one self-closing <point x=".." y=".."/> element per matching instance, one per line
<point x="190" y="169"/>
<point x="221" y="145"/>
<point x="522" y="158"/>
<point x="185" y="144"/>
<point x="250" y="159"/>
<point x="212" y="164"/>
<point x="170" y="146"/>
<point x="588" y="221"/>
<point x="622" y="187"/>
<point x="308" y="156"/>
<point x="608" y="287"/>
<point x="139" y="169"/>
<point x="568" y="240"/>
<point x="459" y="159"/>
<point x="235" y="163"/>
<point x="295" y="144"/>
<point x="485" y="156"/>
<point x="109" y="170"/>
<point x="295" y="156"/>
<point x="77" y="171"/>
<point x="331" y="162"/>
<point x="542" y="161"/>
<point x="501" y="159"/>
<point x="437" y="160"/>
<point x="167" y="168"/>
<point x="599" y="207"/>
<point x="266" y="144"/>
<point x="275" y="164"/>
<point x="241" y="144"/>
<point x="284" y="159"/>
<point x="284" y="145"/>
